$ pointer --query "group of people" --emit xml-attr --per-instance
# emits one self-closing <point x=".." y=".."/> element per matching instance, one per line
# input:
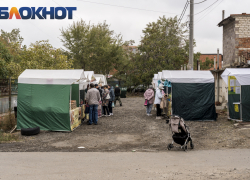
<point x="101" y="100"/>
<point x="156" y="98"/>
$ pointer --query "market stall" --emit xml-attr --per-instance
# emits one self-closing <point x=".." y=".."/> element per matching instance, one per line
<point x="192" y="94"/>
<point x="49" y="99"/>
<point x="238" y="83"/>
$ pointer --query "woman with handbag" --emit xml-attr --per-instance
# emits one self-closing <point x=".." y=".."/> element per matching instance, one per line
<point x="158" y="97"/>
<point x="105" y="100"/>
<point x="149" y="99"/>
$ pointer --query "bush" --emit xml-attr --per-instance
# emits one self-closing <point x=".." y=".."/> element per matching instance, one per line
<point x="7" y="122"/>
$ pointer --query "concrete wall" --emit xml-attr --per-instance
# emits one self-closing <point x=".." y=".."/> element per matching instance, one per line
<point x="223" y="97"/>
<point x="228" y="44"/>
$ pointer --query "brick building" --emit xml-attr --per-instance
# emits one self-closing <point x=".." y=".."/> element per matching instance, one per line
<point x="236" y="40"/>
<point x="211" y="56"/>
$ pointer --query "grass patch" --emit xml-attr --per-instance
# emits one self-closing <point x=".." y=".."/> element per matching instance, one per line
<point x="7" y="122"/>
<point x="5" y="137"/>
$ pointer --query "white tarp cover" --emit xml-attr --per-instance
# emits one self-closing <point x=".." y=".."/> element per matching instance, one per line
<point x="155" y="80"/>
<point x="102" y="78"/>
<point x="159" y="77"/>
<point x="89" y="75"/>
<point x="37" y="76"/>
<point x="241" y="74"/>
<point x="178" y="76"/>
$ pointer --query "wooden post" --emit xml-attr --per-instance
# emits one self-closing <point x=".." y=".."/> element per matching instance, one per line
<point x="10" y="94"/>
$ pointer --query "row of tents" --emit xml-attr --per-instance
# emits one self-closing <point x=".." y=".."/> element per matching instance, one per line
<point x="193" y="93"/>
<point x="44" y="97"/>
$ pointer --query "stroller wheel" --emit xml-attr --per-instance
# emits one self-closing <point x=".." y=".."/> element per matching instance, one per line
<point x="185" y="147"/>
<point x="191" y="145"/>
<point x="170" y="146"/>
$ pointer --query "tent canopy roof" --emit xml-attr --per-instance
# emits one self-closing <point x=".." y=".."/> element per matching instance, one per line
<point x="100" y="77"/>
<point x="38" y="76"/>
<point x="241" y="74"/>
<point x="159" y="76"/>
<point x="89" y="75"/>
<point x="178" y="76"/>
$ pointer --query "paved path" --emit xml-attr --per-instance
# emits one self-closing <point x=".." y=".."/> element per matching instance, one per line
<point x="206" y="164"/>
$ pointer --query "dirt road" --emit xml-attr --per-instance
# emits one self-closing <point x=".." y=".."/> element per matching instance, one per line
<point x="192" y="165"/>
<point x="131" y="129"/>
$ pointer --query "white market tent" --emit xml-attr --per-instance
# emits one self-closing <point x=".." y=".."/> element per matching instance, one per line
<point x="44" y="98"/>
<point x="100" y="78"/>
<point x="238" y="83"/>
<point x="178" y="76"/>
<point x="155" y="81"/>
<point x="241" y="74"/>
<point x="192" y="94"/>
<point x="159" y="77"/>
<point x="36" y="76"/>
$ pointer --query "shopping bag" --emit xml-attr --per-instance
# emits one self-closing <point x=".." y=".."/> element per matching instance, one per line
<point x="87" y="109"/>
<point x="113" y="105"/>
<point x="146" y="102"/>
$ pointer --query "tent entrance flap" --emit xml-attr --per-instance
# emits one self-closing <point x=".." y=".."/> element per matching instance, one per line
<point x="194" y="101"/>
<point x="75" y="94"/>
<point x="245" y="102"/>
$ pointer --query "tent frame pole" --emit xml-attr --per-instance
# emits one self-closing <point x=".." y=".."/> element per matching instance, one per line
<point x="240" y="105"/>
<point x="70" y="104"/>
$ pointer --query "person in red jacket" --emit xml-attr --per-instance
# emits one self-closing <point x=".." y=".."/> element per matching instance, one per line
<point x="149" y="96"/>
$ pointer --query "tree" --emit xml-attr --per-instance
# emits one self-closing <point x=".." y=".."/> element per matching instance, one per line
<point x="93" y="47"/>
<point x="13" y="36"/>
<point x="162" y="48"/>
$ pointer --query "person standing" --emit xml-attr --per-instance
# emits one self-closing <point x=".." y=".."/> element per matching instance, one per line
<point x="158" y="97"/>
<point x="98" y="87"/>
<point x="93" y="97"/>
<point x="105" y="100"/>
<point x="149" y="96"/>
<point x="118" y="95"/>
<point x="111" y="100"/>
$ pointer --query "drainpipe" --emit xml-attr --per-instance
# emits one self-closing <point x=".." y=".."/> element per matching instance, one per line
<point x="218" y="88"/>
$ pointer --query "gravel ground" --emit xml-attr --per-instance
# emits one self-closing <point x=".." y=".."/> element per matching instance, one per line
<point x="130" y="129"/>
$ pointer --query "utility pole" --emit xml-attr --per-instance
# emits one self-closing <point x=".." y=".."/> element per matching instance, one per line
<point x="191" y="36"/>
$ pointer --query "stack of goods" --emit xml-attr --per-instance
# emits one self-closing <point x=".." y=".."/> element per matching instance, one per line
<point x="73" y="104"/>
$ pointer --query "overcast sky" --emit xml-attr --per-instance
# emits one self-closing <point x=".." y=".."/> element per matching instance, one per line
<point x="128" y="17"/>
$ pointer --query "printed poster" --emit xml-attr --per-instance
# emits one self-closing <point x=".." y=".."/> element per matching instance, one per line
<point x="233" y="85"/>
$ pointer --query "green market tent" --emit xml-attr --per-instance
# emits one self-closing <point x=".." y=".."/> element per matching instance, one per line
<point x="238" y="83"/>
<point x="44" y="98"/>
<point x="193" y="95"/>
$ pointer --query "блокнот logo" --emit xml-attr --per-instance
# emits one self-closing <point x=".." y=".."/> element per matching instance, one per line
<point x="37" y="13"/>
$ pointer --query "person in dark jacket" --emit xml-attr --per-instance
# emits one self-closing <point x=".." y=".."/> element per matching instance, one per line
<point x="100" y="107"/>
<point x="118" y="95"/>
<point x="111" y="100"/>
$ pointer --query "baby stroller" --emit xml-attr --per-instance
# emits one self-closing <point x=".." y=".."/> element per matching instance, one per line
<point x="180" y="133"/>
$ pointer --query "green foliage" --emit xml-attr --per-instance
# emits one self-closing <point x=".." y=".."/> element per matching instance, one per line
<point x="93" y="47"/>
<point x="163" y="47"/>
<point x="12" y="37"/>
<point x="5" y="59"/>
<point x="14" y="58"/>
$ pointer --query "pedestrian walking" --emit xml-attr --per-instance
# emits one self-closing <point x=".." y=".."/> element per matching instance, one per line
<point x="118" y="95"/>
<point x="105" y="100"/>
<point x="111" y="100"/>
<point x="92" y="98"/>
<point x="149" y="96"/>
<point x="158" y="97"/>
